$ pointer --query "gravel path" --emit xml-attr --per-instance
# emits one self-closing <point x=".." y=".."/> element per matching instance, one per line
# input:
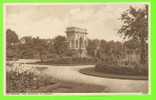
<point x="71" y="74"/>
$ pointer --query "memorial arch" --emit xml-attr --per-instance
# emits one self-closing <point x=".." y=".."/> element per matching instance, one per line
<point x="77" y="39"/>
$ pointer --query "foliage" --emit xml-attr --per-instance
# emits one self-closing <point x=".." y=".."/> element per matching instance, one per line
<point x="22" y="79"/>
<point x="11" y="37"/>
<point x="131" y="69"/>
<point x="11" y="44"/>
<point x="31" y="47"/>
<point x="41" y="47"/>
<point x="92" y="47"/>
<point x="71" y="53"/>
<point x="60" y="45"/>
<point x="26" y="82"/>
<point x="109" y="52"/>
<point x="69" y="61"/>
<point x="26" y="48"/>
<point x="135" y="26"/>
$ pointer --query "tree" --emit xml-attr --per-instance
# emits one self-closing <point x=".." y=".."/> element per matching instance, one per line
<point x="51" y="48"/>
<point x="11" y="37"/>
<point x="27" y="40"/>
<point x="11" y="44"/>
<point x="92" y="47"/>
<point x="132" y="45"/>
<point x="135" y="26"/>
<point x="41" y="47"/>
<point x="60" y="45"/>
<point x="26" y="47"/>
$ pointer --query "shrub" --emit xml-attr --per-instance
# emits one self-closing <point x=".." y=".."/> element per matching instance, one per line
<point x="21" y="79"/>
<point x="133" y="69"/>
<point x="70" y="61"/>
<point x="25" y="82"/>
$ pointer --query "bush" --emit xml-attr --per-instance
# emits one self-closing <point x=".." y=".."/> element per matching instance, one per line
<point x="70" y="61"/>
<point x="83" y="60"/>
<point x="22" y="79"/>
<point x="26" y="82"/>
<point x="135" y="69"/>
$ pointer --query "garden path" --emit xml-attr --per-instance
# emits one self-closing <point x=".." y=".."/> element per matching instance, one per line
<point x="72" y="74"/>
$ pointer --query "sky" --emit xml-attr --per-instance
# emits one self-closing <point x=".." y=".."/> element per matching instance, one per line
<point x="48" y="21"/>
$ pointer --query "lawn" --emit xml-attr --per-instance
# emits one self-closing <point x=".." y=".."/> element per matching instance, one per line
<point x="93" y="72"/>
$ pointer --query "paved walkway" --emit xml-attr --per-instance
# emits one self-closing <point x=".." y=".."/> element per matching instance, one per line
<point x="71" y="73"/>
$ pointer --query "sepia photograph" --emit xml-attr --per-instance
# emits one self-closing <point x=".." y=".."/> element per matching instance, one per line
<point x="82" y="49"/>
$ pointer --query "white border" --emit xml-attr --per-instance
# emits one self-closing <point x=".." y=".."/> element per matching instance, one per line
<point x="79" y="94"/>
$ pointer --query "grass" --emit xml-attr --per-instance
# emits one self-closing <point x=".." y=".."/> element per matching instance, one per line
<point x="91" y="71"/>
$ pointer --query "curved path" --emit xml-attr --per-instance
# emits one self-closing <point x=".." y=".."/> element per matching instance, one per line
<point x="71" y="73"/>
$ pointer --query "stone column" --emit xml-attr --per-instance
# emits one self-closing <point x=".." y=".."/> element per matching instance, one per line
<point x="69" y="43"/>
<point x="78" y="44"/>
<point x="82" y="43"/>
<point x="74" y="43"/>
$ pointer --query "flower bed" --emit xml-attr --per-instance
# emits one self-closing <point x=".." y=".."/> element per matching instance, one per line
<point x="91" y="71"/>
<point x="138" y="69"/>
